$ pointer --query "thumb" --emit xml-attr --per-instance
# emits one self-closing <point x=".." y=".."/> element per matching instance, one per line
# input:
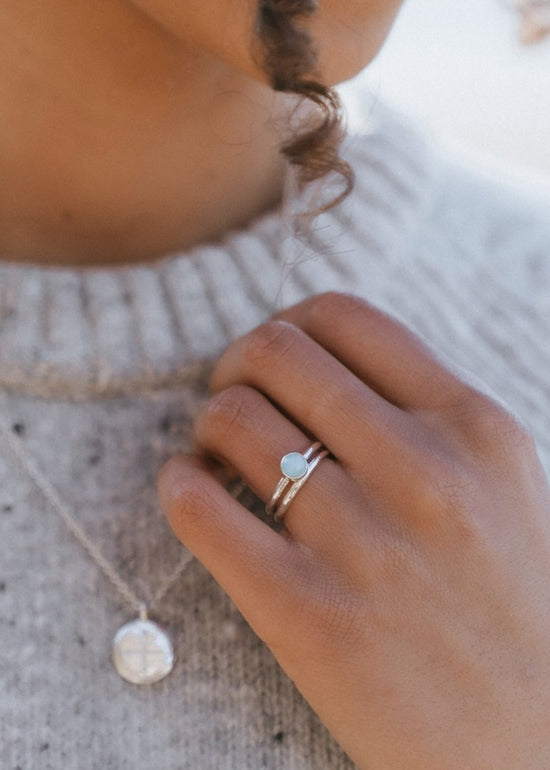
<point x="254" y="564"/>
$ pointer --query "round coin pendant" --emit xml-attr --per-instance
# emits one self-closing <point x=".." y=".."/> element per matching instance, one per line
<point x="142" y="652"/>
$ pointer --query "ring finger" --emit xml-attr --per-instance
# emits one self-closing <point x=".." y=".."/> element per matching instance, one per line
<point x="240" y="426"/>
<point x="319" y="393"/>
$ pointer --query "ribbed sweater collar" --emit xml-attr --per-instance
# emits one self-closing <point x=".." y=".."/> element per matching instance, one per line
<point x="75" y="332"/>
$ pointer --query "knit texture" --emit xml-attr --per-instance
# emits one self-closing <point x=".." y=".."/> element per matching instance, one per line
<point x="101" y="373"/>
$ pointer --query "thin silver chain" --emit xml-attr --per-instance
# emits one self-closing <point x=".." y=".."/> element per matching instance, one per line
<point x="49" y="491"/>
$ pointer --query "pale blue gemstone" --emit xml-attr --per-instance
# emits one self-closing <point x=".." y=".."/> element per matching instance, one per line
<point x="294" y="465"/>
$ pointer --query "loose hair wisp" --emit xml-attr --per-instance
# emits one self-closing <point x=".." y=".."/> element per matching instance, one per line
<point x="288" y="56"/>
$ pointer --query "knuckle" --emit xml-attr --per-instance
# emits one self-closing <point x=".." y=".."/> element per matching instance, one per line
<point x="507" y="428"/>
<point x="186" y="497"/>
<point x="336" y="404"/>
<point x="269" y="343"/>
<point x="225" y="411"/>
<point x="490" y="423"/>
<point x="193" y="504"/>
<point x="450" y="492"/>
<point x="443" y="489"/>
<point x="335" y="304"/>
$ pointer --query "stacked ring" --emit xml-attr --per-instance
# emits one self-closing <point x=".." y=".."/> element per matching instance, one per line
<point x="296" y="468"/>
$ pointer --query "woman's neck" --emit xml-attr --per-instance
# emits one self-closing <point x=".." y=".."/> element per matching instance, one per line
<point x="119" y="144"/>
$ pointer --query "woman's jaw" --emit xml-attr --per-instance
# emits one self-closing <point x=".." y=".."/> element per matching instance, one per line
<point x="122" y="139"/>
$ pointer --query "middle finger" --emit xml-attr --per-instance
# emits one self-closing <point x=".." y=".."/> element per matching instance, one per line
<point x="316" y="391"/>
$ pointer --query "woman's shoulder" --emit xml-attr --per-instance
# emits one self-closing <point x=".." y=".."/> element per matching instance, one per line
<point x="479" y="212"/>
<point x="498" y="224"/>
<point x="488" y="197"/>
<point x="381" y="130"/>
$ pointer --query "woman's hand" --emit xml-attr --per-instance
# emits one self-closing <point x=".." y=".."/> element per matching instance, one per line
<point x="408" y="596"/>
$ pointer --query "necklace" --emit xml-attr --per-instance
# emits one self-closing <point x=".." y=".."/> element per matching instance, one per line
<point x="142" y="651"/>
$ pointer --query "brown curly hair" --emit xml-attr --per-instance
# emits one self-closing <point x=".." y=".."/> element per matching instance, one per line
<point x="287" y="54"/>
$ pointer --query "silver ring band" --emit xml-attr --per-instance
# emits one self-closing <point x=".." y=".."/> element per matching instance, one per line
<point x="292" y="480"/>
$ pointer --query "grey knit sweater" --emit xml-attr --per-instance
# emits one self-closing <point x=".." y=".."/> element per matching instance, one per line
<point x="101" y="372"/>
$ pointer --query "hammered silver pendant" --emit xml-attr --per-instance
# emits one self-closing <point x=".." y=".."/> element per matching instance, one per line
<point x="142" y="651"/>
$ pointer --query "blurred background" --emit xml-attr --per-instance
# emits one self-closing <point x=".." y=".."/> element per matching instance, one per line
<point x="459" y="68"/>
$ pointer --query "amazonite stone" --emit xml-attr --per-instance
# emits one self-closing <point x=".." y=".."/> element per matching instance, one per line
<point x="294" y="465"/>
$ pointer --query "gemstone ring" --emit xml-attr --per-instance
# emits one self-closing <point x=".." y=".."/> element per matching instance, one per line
<point x="295" y="469"/>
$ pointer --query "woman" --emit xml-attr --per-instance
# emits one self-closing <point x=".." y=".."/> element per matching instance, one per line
<point x="396" y="616"/>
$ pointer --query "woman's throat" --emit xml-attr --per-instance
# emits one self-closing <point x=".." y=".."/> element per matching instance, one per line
<point x="126" y="151"/>
<point x="134" y="222"/>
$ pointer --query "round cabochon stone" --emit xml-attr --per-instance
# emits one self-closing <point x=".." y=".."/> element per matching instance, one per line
<point x="294" y="465"/>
